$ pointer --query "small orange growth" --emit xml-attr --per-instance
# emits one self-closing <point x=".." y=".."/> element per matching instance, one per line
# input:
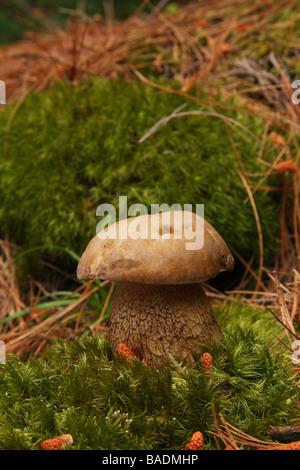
<point x="126" y="352"/>
<point x="158" y="61"/>
<point x="186" y="88"/>
<point x="58" y="72"/>
<point x="196" y="443"/>
<point x="290" y="446"/>
<point x="207" y="362"/>
<point x="58" y="443"/>
<point x="243" y="27"/>
<point x="277" y="139"/>
<point x="201" y="22"/>
<point x="225" y="47"/>
<point x="287" y="165"/>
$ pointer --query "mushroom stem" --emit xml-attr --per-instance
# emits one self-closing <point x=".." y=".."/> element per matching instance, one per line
<point x="159" y="321"/>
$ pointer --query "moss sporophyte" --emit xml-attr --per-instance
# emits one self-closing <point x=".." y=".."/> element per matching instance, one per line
<point x="79" y="388"/>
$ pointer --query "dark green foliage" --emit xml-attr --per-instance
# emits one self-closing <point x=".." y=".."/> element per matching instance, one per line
<point x="73" y="148"/>
<point x="78" y="388"/>
<point x="18" y="17"/>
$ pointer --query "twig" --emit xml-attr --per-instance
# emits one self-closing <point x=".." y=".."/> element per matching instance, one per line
<point x="283" y="431"/>
<point x="253" y="273"/>
<point x="285" y="315"/>
<point x="260" y="237"/>
<point x="161" y="122"/>
<point x="96" y="327"/>
<point x="269" y="171"/>
<point x="175" y="114"/>
<point x="282" y="323"/>
<point x="295" y="294"/>
<point x="226" y="440"/>
<point x="161" y="4"/>
<point x="37" y="329"/>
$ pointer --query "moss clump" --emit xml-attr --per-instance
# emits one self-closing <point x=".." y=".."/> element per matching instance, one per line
<point x="71" y="149"/>
<point x="78" y="388"/>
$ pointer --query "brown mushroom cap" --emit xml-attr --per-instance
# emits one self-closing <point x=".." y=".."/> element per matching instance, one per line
<point x="163" y="256"/>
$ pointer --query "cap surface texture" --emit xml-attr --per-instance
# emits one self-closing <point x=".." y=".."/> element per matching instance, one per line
<point x="176" y="247"/>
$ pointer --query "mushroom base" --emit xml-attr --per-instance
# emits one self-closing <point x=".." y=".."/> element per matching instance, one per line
<point x="161" y="321"/>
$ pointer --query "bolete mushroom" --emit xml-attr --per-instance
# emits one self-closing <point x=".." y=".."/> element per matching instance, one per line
<point x="159" y="309"/>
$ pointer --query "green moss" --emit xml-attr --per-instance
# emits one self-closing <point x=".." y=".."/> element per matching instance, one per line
<point x="71" y="149"/>
<point x="78" y="388"/>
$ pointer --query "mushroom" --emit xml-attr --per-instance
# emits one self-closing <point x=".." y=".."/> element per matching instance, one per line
<point x="159" y="309"/>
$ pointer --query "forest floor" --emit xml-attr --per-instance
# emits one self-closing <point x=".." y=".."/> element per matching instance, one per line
<point x="231" y="47"/>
